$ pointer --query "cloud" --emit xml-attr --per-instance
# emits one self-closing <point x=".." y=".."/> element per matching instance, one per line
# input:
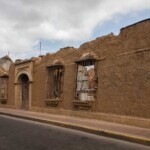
<point x="24" y="22"/>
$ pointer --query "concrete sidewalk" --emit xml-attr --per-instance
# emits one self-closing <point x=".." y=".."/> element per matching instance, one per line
<point x="109" y="129"/>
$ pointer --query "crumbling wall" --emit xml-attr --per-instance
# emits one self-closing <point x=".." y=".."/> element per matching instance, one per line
<point x="124" y="84"/>
<point x="123" y="72"/>
<point x="66" y="55"/>
<point x="122" y="67"/>
<point x="135" y="36"/>
<point x="39" y="84"/>
<point x="11" y="85"/>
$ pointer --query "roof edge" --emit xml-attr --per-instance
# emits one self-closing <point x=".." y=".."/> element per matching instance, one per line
<point x="145" y="20"/>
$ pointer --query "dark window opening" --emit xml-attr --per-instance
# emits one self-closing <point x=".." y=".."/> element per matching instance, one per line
<point x="55" y="82"/>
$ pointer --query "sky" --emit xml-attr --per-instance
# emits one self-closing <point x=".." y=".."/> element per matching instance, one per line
<point x="62" y="23"/>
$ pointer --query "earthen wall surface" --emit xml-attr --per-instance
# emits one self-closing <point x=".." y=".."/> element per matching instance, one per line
<point x="11" y="86"/>
<point x="123" y="69"/>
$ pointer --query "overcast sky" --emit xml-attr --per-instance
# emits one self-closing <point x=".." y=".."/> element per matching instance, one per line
<point x="60" y="23"/>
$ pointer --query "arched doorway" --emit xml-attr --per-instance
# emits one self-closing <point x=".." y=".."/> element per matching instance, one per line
<point x="23" y="84"/>
<point x="24" y="89"/>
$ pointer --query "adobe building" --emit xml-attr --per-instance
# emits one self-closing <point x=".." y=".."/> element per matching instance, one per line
<point x="107" y="78"/>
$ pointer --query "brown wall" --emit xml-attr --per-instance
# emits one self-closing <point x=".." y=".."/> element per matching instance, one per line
<point x="124" y="85"/>
<point x="39" y="85"/>
<point x="11" y="86"/>
<point x="123" y="73"/>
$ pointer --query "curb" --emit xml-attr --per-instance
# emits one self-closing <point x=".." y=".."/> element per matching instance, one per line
<point x="101" y="132"/>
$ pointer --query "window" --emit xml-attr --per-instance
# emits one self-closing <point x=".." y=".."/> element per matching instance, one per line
<point x="86" y="80"/>
<point x="55" y="82"/>
<point x="3" y="87"/>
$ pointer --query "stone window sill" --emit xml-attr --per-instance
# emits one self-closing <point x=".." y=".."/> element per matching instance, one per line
<point x="3" y="100"/>
<point x="85" y="105"/>
<point x="52" y="102"/>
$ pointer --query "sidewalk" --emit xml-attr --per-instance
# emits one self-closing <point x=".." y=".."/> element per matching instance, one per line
<point x="109" y="129"/>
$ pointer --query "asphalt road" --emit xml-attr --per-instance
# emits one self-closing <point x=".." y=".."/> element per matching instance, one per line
<point x="19" y="134"/>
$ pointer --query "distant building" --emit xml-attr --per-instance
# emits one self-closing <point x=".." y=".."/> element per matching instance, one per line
<point x="109" y="75"/>
<point x="5" y="62"/>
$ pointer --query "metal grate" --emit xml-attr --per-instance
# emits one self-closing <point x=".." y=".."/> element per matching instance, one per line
<point x="55" y="82"/>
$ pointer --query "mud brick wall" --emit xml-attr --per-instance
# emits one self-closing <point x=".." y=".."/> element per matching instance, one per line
<point x="123" y="72"/>
<point x="11" y="86"/>
<point x="123" y="68"/>
<point x="39" y="85"/>
<point x="124" y="85"/>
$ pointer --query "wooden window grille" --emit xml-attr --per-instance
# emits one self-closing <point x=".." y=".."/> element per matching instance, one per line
<point x="55" y="82"/>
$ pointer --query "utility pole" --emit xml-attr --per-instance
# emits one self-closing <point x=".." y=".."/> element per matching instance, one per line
<point x="40" y="48"/>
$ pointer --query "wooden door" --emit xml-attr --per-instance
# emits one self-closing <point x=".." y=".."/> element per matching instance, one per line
<point x="25" y="94"/>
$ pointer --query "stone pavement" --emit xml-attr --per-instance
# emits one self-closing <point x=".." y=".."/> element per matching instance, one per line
<point x="104" y="128"/>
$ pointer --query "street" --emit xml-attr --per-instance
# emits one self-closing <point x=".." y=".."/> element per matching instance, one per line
<point x="19" y="134"/>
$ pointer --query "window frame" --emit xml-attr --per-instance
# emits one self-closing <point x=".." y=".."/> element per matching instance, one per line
<point x="4" y="88"/>
<point x="84" y="62"/>
<point x="51" y="79"/>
